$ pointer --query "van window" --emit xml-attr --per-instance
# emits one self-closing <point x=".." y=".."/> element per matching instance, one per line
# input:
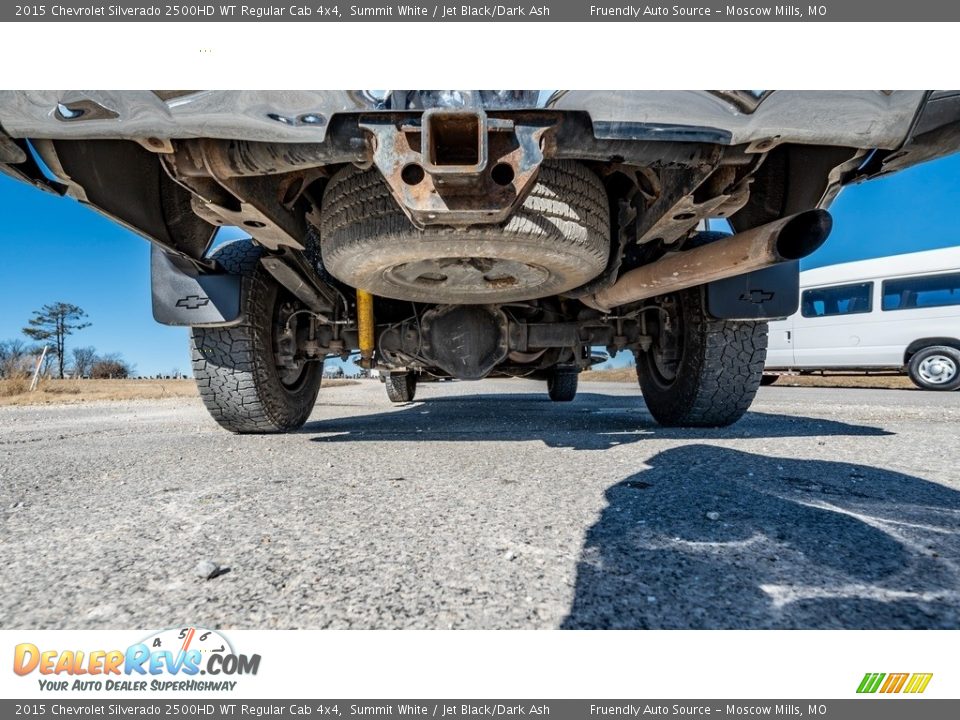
<point x="839" y="300"/>
<point x="921" y="292"/>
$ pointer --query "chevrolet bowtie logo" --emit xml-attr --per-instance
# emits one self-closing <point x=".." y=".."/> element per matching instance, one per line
<point x="192" y="302"/>
<point x="757" y="296"/>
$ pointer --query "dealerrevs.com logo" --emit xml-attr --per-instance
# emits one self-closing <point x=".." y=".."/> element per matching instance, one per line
<point x="168" y="660"/>
<point x="891" y="683"/>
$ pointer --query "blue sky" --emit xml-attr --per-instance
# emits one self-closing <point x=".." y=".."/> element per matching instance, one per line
<point x="54" y="249"/>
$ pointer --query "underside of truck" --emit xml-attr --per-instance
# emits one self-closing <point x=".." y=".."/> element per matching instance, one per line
<point x="470" y="234"/>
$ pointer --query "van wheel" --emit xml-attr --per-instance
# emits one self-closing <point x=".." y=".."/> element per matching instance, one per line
<point x="935" y="368"/>
<point x="700" y="371"/>
<point x="401" y="387"/>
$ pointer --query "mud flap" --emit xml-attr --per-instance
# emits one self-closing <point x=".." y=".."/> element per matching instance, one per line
<point x="773" y="292"/>
<point x="182" y="295"/>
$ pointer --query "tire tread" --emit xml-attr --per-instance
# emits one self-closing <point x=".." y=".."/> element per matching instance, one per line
<point x="229" y="363"/>
<point x="566" y="214"/>
<point x="719" y="380"/>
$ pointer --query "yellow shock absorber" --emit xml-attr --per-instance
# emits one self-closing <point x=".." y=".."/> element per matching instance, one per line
<point x="365" y="325"/>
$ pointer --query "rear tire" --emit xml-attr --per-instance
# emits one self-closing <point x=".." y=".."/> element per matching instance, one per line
<point x="234" y="367"/>
<point x="935" y="368"/>
<point x="401" y="387"/>
<point x="562" y="384"/>
<point x="701" y="372"/>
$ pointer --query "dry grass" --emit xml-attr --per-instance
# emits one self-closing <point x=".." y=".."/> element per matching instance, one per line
<point x="837" y="380"/>
<point x="15" y="391"/>
<point x="627" y="374"/>
<point x="12" y="387"/>
<point x="848" y="380"/>
<point x="337" y="382"/>
<point x="58" y="392"/>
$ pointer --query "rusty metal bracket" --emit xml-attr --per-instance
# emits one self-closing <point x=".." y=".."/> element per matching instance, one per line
<point x="457" y="167"/>
<point x="262" y="205"/>
<point x="681" y="205"/>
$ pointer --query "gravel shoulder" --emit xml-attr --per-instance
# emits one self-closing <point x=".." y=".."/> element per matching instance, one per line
<point x="486" y="506"/>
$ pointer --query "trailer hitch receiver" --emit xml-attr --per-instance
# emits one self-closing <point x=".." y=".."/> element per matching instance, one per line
<point x="457" y="167"/>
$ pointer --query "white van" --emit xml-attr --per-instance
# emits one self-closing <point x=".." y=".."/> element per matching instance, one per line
<point x="894" y="313"/>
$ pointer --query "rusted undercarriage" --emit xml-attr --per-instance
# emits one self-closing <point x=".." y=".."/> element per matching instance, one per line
<point x="458" y="169"/>
<point x="447" y="168"/>
<point x="532" y="234"/>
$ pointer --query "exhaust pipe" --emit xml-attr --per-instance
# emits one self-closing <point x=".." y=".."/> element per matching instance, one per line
<point x="790" y="238"/>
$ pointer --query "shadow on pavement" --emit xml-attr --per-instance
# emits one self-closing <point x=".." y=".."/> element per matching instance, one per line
<point x="592" y="422"/>
<point x="710" y="537"/>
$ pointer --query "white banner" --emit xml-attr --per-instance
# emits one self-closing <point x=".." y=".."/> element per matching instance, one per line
<point x="477" y="664"/>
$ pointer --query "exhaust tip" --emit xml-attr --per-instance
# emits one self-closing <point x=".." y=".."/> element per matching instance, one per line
<point x="803" y="234"/>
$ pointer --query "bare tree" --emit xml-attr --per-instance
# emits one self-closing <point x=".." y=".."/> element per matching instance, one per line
<point x="83" y="360"/>
<point x="13" y="358"/>
<point x="55" y="322"/>
<point x="111" y="366"/>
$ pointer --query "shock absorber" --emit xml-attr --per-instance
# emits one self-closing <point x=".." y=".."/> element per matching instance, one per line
<point x="365" y="324"/>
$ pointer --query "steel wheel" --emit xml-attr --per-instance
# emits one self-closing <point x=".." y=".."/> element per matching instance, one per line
<point x="935" y="368"/>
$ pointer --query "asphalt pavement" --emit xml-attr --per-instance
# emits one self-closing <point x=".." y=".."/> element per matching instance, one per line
<point x="485" y="506"/>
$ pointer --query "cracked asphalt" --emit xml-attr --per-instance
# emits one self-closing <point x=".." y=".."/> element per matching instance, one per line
<point x="486" y="506"/>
